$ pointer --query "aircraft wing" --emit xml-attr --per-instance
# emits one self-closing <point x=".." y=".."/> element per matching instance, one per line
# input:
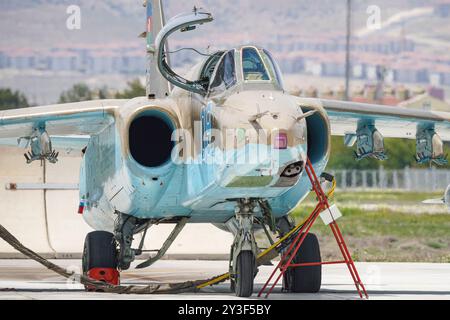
<point x="69" y="125"/>
<point x="368" y="124"/>
<point x="391" y="121"/>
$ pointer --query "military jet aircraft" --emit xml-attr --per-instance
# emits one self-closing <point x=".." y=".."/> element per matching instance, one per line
<point x="225" y="144"/>
<point x="445" y="200"/>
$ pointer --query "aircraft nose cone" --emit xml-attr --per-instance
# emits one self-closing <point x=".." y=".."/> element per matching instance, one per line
<point x="284" y="126"/>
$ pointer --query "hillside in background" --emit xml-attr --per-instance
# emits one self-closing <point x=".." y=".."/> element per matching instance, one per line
<point x="41" y="23"/>
<point x="41" y="57"/>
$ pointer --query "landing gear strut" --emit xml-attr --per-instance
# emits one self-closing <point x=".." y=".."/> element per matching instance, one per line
<point x="126" y="226"/>
<point x="244" y="250"/>
<point x="124" y="229"/>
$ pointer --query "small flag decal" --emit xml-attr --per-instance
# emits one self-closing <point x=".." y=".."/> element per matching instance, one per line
<point x="81" y="206"/>
<point x="149" y="23"/>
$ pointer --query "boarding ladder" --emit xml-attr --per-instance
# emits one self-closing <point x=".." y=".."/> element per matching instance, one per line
<point x="287" y="258"/>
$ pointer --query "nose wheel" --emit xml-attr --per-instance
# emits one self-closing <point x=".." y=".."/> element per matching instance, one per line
<point x="245" y="274"/>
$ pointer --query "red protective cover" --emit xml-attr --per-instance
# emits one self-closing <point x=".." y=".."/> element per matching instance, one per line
<point x="108" y="275"/>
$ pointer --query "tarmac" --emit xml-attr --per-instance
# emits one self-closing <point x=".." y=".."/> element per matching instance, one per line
<point x="26" y="279"/>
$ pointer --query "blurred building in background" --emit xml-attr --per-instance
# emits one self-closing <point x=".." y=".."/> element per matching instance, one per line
<point x="308" y="39"/>
<point x="430" y="98"/>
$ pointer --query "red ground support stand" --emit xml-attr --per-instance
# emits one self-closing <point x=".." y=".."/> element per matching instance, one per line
<point x="288" y="256"/>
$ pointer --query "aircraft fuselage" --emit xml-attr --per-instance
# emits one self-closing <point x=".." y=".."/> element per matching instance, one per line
<point x="122" y="169"/>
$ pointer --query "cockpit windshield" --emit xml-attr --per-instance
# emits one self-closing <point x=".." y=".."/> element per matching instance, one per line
<point x="253" y="66"/>
<point x="248" y="67"/>
<point x="259" y="66"/>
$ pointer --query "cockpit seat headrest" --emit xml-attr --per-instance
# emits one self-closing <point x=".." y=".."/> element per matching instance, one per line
<point x="253" y="76"/>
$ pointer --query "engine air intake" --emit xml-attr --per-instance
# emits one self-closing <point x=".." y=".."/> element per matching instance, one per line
<point x="150" y="139"/>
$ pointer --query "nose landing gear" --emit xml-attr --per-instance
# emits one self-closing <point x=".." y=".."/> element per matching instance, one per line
<point x="244" y="250"/>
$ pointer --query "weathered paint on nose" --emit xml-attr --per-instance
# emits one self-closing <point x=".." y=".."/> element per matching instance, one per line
<point x="275" y="113"/>
<point x="263" y="135"/>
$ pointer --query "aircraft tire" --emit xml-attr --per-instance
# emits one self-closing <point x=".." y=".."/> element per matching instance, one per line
<point x="99" y="259"/>
<point x="305" y="279"/>
<point x="245" y="274"/>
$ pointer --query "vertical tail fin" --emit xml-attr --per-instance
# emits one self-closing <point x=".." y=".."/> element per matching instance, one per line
<point x="157" y="86"/>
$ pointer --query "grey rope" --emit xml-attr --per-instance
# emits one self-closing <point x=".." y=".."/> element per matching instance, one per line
<point x="188" y="286"/>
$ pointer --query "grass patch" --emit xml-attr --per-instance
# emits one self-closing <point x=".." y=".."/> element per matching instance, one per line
<point x="359" y="223"/>
<point x="436" y="245"/>
<point x="385" y="235"/>
<point x="386" y="196"/>
<point x="369" y="197"/>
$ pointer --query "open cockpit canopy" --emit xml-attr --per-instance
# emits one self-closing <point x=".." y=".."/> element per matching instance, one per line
<point x="246" y="67"/>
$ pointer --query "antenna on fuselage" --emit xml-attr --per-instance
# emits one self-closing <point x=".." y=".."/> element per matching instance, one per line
<point x="156" y="85"/>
